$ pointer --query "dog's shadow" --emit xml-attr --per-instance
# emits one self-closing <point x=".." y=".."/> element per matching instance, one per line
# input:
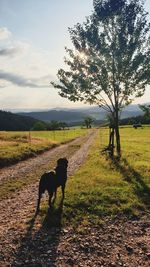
<point x="34" y="244"/>
<point x="53" y="216"/>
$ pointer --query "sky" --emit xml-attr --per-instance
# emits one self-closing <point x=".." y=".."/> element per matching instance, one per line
<point x="33" y="36"/>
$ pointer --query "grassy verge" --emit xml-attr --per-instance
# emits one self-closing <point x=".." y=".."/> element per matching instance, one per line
<point x="16" y="146"/>
<point x="102" y="187"/>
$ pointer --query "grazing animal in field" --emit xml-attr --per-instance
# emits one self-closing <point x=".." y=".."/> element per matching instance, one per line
<point x="51" y="180"/>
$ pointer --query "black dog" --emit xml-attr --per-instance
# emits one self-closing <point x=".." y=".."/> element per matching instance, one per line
<point x="50" y="181"/>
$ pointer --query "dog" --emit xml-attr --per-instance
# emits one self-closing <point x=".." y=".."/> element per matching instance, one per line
<point x="51" y="180"/>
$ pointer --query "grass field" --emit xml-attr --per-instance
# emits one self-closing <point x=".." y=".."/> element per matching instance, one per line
<point x="15" y="146"/>
<point x="102" y="187"/>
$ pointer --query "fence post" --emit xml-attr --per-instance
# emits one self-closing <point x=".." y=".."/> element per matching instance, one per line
<point x="29" y="136"/>
<point x="54" y="135"/>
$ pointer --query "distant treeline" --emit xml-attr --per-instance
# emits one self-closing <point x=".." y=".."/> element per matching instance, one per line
<point x="135" y="120"/>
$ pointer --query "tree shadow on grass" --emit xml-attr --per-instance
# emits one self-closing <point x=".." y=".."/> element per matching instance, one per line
<point x="141" y="189"/>
<point x="39" y="248"/>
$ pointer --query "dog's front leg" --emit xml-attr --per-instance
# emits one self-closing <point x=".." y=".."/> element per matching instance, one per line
<point x="38" y="204"/>
<point x="63" y="191"/>
<point x="55" y="194"/>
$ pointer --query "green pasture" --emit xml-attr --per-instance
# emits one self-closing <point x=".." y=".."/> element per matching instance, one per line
<point x="102" y="187"/>
<point x="15" y="146"/>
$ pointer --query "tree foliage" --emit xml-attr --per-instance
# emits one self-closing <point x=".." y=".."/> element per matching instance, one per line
<point x="39" y="126"/>
<point x="146" y="110"/>
<point x="56" y="125"/>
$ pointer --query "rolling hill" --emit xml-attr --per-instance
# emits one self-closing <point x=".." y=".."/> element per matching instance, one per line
<point x="15" y="122"/>
<point x="68" y="116"/>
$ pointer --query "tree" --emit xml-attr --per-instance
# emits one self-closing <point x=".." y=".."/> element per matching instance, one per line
<point x="146" y="110"/>
<point x="109" y="65"/>
<point x="54" y="125"/>
<point x="88" y="122"/>
<point x="63" y="125"/>
<point x="39" y="126"/>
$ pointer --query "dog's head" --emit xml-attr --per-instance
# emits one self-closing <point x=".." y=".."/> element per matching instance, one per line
<point x="63" y="162"/>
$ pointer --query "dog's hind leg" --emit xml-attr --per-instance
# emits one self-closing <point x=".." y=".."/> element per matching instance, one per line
<point x="38" y="203"/>
<point x="41" y="191"/>
<point x="50" y="199"/>
<point x="55" y="195"/>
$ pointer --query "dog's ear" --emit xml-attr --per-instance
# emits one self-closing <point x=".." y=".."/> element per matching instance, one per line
<point x="59" y="161"/>
<point x="66" y="161"/>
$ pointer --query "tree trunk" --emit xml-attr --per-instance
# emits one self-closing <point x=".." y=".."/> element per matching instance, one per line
<point x="118" y="145"/>
<point x="111" y="142"/>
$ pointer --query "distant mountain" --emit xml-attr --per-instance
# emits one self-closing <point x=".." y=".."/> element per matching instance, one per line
<point x="78" y="114"/>
<point x="57" y="115"/>
<point x="15" y="122"/>
<point x="99" y="113"/>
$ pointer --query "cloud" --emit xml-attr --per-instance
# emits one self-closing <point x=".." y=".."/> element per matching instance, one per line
<point x="4" y="33"/>
<point x="21" y="81"/>
<point x="23" y="64"/>
<point x="25" y="74"/>
<point x="15" y="48"/>
<point x="9" y="51"/>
